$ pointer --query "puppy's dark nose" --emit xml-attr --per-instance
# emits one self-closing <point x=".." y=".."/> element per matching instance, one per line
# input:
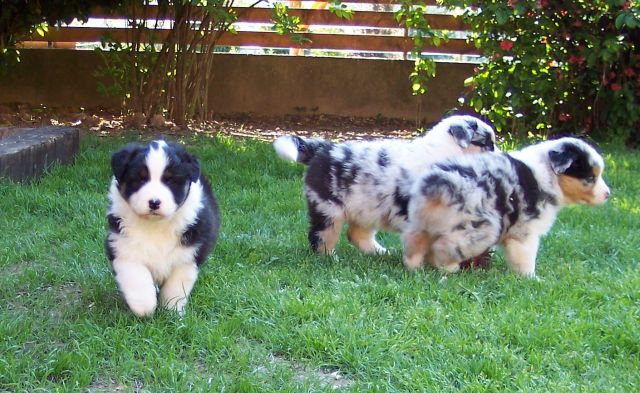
<point x="154" y="204"/>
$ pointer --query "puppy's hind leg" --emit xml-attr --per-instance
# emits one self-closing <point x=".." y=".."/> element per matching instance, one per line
<point x="446" y="254"/>
<point x="176" y="289"/>
<point x="451" y="249"/>
<point x="416" y="246"/>
<point x="324" y="231"/>
<point x="137" y="287"/>
<point x="364" y="239"/>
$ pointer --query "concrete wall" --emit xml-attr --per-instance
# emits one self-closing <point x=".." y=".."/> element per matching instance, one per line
<point x="54" y="77"/>
<point x="266" y="85"/>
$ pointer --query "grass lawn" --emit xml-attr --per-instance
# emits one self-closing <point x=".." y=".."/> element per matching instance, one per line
<point x="267" y="315"/>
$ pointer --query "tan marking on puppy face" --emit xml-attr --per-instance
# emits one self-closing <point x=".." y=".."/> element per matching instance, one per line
<point x="472" y="149"/>
<point x="579" y="169"/>
<point x="582" y="192"/>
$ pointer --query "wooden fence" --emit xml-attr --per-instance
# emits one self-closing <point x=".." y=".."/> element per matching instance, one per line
<point x="305" y="80"/>
<point x="372" y="29"/>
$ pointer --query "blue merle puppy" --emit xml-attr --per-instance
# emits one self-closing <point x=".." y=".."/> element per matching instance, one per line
<point x="163" y="222"/>
<point x="461" y="207"/>
<point x="366" y="184"/>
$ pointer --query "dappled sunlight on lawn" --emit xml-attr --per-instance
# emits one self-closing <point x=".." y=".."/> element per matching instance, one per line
<point x="627" y="204"/>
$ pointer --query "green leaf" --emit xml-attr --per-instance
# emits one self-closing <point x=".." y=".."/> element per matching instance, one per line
<point x="502" y="15"/>
<point x="620" y="20"/>
<point x="340" y="10"/>
<point x="631" y="21"/>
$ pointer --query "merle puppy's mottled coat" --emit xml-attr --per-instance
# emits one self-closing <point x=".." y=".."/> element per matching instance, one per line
<point x="366" y="183"/>
<point x="163" y="222"/>
<point x="461" y="207"/>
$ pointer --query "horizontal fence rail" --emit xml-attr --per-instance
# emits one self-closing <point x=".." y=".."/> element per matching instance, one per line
<point x="372" y="30"/>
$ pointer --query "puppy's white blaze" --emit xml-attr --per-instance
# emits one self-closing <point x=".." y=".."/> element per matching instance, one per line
<point x="154" y="189"/>
<point x="157" y="161"/>
<point x="286" y="148"/>
<point x="601" y="191"/>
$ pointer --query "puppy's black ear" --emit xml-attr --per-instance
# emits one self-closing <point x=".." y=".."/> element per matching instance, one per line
<point x="192" y="164"/>
<point x="562" y="159"/>
<point x="473" y="124"/>
<point x="121" y="159"/>
<point x="462" y="134"/>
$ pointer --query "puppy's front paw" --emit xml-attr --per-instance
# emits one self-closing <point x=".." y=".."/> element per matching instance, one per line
<point x="529" y="275"/>
<point x="137" y="287"/>
<point x="141" y="305"/>
<point x="413" y="262"/>
<point x="450" y="268"/>
<point x="176" y="304"/>
<point x="527" y="271"/>
<point x="379" y="250"/>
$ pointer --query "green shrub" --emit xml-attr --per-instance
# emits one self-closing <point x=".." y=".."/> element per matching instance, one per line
<point x="557" y="67"/>
<point x="20" y="18"/>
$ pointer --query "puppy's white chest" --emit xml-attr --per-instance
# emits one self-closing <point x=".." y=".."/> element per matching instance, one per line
<point x="154" y="245"/>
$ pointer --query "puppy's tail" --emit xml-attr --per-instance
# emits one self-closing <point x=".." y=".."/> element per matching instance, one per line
<point x="295" y="148"/>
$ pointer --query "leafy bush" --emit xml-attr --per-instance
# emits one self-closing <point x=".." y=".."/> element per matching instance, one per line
<point x="20" y="18"/>
<point x="410" y="15"/>
<point x="160" y="70"/>
<point x="557" y="67"/>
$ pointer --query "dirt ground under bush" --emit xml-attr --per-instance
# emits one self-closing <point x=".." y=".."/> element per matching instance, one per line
<point x="242" y="125"/>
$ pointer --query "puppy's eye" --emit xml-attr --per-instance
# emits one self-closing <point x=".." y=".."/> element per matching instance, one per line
<point x="483" y="144"/>
<point x="140" y="177"/>
<point x="172" y="179"/>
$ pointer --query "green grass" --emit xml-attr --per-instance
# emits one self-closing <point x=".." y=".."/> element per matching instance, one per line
<point x="267" y="315"/>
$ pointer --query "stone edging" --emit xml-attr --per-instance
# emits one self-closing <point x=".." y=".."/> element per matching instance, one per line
<point x="25" y="153"/>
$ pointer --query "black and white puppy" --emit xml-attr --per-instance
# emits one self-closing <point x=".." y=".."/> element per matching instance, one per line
<point x="163" y="222"/>
<point x="461" y="207"/>
<point x="366" y="183"/>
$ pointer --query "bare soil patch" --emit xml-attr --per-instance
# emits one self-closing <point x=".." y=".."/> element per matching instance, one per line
<point x="302" y="373"/>
<point x="243" y="125"/>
